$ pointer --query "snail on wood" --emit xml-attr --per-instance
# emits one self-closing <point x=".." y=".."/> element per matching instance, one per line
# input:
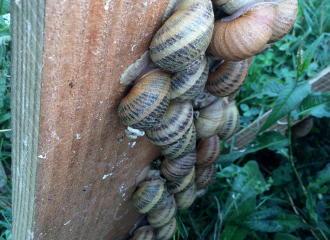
<point x="150" y="196"/>
<point x="144" y="233"/>
<point x="178" y="168"/>
<point x="302" y="128"/>
<point x="184" y="37"/>
<point x="208" y="151"/>
<point x="163" y="215"/>
<point x="145" y="105"/>
<point x="205" y="177"/>
<point x="250" y="29"/>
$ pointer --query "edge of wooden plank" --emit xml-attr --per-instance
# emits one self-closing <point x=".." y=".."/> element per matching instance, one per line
<point x="27" y="47"/>
<point x="319" y="83"/>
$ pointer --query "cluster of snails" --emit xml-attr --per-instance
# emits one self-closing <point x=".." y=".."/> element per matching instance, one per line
<point x="184" y="94"/>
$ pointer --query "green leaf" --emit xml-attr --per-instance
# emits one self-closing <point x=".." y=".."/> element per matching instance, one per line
<point x="272" y="140"/>
<point x="282" y="175"/>
<point x="243" y="187"/>
<point x="287" y="100"/>
<point x="234" y="233"/>
<point x="322" y="177"/>
<point x="285" y="236"/>
<point x="5" y="117"/>
<point x="307" y="56"/>
<point x="316" y="104"/>
<point x="270" y="220"/>
<point x="311" y="206"/>
<point x="229" y="171"/>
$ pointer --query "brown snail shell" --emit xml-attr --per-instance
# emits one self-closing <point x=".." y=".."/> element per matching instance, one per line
<point x="177" y="121"/>
<point x="286" y="14"/>
<point x="232" y="122"/>
<point x="144" y="233"/>
<point x="181" y="184"/>
<point x="163" y="215"/>
<point x="205" y="177"/>
<point x="185" y="87"/>
<point x="178" y="168"/>
<point x="185" y="198"/>
<point x="150" y="196"/>
<point x="228" y="78"/>
<point x="208" y="151"/>
<point x="210" y="119"/>
<point x="167" y="231"/>
<point x="302" y="128"/>
<point x="145" y="105"/>
<point x="181" y="147"/>
<point x="184" y="37"/>
<point x="248" y="33"/>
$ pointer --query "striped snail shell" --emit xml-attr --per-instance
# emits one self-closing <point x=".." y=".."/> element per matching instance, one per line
<point x="184" y="37"/>
<point x="144" y="233"/>
<point x="181" y="184"/>
<point x="185" y="87"/>
<point x="302" y="128"/>
<point x="178" y="168"/>
<point x="232" y="6"/>
<point x="232" y="122"/>
<point x="250" y="29"/>
<point x="177" y="121"/>
<point x="163" y="215"/>
<point x="208" y="151"/>
<point x="167" y="231"/>
<point x="205" y="177"/>
<point x="150" y="196"/>
<point x="228" y="78"/>
<point x="210" y="119"/>
<point x="181" y="147"/>
<point x="145" y="105"/>
<point x="185" y="198"/>
<point x="286" y="14"/>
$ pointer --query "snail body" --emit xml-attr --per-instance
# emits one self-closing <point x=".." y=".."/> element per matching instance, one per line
<point x="249" y="32"/>
<point x="145" y="106"/>
<point x="184" y="37"/>
<point x="228" y="78"/>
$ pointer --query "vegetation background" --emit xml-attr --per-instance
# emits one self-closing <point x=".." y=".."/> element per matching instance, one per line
<point x="278" y="190"/>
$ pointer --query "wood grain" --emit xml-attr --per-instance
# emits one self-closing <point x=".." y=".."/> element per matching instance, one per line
<point x="84" y="168"/>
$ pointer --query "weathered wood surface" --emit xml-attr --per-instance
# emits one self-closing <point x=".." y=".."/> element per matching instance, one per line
<point x="74" y="168"/>
<point x="320" y="83"/>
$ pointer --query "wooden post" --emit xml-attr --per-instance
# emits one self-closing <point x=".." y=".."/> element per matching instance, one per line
<point x="74" y="169"/>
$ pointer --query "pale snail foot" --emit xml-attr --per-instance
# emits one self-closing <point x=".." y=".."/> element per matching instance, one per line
<point x="133" y="133"/>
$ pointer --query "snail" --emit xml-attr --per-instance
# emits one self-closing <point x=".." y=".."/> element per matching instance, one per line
<point x="185" y="198"/>
<point x="167" y="231"/>
<point x="178" y="119"/>
<point x="185" y="87"/>
<point x="250" y="29"/>
<point x="145" y="105"/>
<point x="181" y="184"/>
<point x="210" y="119"/>
<point x="178" y="168"/>
<point x="302" y="128"/>
<point x="182" y="147"/>
<point x="205" y="177"/>
<point x="228" y="78"/>
<point x="184" y="37"/>
<point x="163" y="215"/>
<point x="231" y="123"/>
<point x="208" y="151"/>
<point x="286" y="14"/>
<point x="203" y="99"/>
<point x="144" y="233"/>
<point x="231" y="6"/>
<point x="150" y="196"/>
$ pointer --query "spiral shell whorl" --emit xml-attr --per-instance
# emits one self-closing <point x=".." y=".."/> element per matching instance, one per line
<point x="247" y="35"/>
<point x="181" y="184"/>
<point x="184" y="37"/>
<point x="163" y="215"/>
<point x="150" y="196"/>
<point x="208" y="151"/>
<point x="185" y="198"/>
<point x="144" y="233"/>
<point x="205" y="177"/>
<point x="177" y="121"/>
<point x="179" y="168"/>
<point x="167" y="231"/>
<point x="231" y="123"/>
<point x="145" y="105"/>
<point x="182" y="147"/>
